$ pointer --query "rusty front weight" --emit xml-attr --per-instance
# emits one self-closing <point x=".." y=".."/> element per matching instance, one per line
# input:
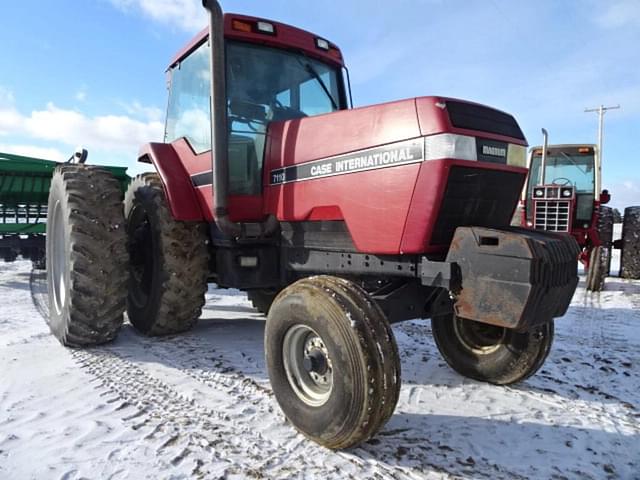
<point x="513" y="277"/>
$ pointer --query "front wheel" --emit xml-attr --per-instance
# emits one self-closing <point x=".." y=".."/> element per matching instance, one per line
<point x="490" y="353"/>
<point x="332" y="361"/>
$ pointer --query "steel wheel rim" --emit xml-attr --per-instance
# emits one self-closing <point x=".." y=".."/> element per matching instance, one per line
<point x="477" y="337"/>
<point x="301" y="345"/>
<point x="58" y="264"/>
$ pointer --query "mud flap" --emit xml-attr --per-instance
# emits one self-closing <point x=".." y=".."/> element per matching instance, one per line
<point x="514" y="277"/>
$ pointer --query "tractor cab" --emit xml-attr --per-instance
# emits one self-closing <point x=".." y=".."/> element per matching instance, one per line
<point x="561" y="196"/>
<point x="273" y="72"/>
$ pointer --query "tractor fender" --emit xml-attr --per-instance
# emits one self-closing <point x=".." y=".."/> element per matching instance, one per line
<point x="176" y="182"/>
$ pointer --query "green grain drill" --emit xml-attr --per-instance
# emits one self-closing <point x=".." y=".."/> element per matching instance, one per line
<point x="24" y="191"/>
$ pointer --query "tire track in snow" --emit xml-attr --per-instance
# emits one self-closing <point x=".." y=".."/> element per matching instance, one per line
<point x="189" y="433"/>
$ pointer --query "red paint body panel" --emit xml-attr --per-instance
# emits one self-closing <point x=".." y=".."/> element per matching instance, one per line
<point x="374" y="204"/>
<point x="241" y="208"/>
<point x="176" y="181"/>
<point x="287" y="37"/>
<point x="425" y="204"/>
<point x="434" y="119"/>
<point x="312" y="138"/>
<point x="387" y="211"/>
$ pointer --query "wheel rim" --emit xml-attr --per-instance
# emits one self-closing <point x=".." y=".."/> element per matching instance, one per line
<point x="308" y="366"/>
<point x="141" y="257"/>
<point x="477" y="337"/>
<point x="59" y="265"/>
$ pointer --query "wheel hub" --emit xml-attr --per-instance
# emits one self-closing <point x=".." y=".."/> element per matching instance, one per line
<point x="308" y="365"/>
<point x="478" y="337"/>
<point x="315" y="362"/>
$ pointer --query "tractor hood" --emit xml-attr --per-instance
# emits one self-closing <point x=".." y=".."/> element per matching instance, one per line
<point x="367" y="167"/>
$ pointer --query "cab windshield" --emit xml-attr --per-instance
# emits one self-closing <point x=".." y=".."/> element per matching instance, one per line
<point x="264" y="84"/>
<point x="566" y="168"/>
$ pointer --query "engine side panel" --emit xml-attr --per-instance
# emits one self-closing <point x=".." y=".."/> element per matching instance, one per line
<point x="373" y="203"/>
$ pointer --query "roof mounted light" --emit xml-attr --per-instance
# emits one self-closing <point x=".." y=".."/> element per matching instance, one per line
<point x="242" y="26"/>
<point x="266" y="27"/>
<point x="322" y="44"/>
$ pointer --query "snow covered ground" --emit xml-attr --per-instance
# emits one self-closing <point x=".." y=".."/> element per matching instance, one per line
<point x="200" y="405"/>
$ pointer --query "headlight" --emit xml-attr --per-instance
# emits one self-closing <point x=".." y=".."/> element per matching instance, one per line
<point x="567" y="192"/>
<point x="449" y="145"/>
<point x="517" y="156"/>
<point x="538" y="192"/>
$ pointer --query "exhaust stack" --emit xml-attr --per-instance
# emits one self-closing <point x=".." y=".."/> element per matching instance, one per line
<point x="220" y="132"/>
<point x="219" y="129"/>
<point x="545" y="146"/>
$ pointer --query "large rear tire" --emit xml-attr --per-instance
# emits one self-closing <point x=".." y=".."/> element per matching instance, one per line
<point x="605" y="232"/>
<point x="86" y="256"/>
<point x="489" y="353"/>
<point x="598" y="262"/>
<point x="169" y="262"/>
<point x="332" y="361"/>
<point x="630" y="255"/>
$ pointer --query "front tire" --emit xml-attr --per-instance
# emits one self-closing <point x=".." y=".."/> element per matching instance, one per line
<point x="332" y="361"/>
<point x="489" y="353"/>
<point x="86" y="256"/>
<point x="169" y="262"/>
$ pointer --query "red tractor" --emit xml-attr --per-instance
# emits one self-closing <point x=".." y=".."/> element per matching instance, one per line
<point x="564" y="194"/>
<point x="338" y="221"/>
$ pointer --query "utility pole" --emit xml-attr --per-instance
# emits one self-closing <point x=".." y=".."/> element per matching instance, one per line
<point x="598" y="177"/>
<point x="601" y="111"/>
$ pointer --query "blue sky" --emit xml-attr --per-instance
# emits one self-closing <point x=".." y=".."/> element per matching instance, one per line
<point x="92" y="72"/>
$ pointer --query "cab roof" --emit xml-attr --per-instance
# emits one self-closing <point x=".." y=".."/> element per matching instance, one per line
<point x="244" y="28"/>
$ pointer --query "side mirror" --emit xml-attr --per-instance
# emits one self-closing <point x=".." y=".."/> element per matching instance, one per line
<point x="605" y="197"/>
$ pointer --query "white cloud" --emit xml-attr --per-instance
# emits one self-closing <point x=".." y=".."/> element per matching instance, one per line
<point x="619" y="13"/>
<point x="188" y="15"/>
<point x="136" y="109"/>
<point x="81" y="95"/>
<point x="625" y="194"/>
<point x="46" y="153"/>
<point x="6" y="97"/>
<point x="119" y="134"/>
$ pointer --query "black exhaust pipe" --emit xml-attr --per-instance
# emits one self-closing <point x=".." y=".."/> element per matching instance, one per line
<point x="220" y="132"/>
<point x="219" y="129"/>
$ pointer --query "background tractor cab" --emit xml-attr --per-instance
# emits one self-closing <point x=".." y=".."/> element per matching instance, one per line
<point x="563" y="194"/>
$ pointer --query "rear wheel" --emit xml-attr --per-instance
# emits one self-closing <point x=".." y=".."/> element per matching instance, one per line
<point x="169" y="262"/>
<point x="598" y="262"/>
<point x="332" y="361"/>
<point x="605" y="232"/>
<point x="86" y="256"/>
<point x="630" y="255"/>
<point x="489" y="353"/>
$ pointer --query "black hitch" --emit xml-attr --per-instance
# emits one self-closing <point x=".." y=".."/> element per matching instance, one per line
<point x="514" y="277"/>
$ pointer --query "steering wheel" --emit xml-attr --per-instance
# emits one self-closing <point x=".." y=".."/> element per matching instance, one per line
<point x="559" y="179"/>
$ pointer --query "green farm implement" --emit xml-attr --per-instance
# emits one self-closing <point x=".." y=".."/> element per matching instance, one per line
<point x="24" y="192"/>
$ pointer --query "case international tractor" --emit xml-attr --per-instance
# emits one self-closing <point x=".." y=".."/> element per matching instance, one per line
<point x="337" y="221"/>
<point x="564" y="194"/>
